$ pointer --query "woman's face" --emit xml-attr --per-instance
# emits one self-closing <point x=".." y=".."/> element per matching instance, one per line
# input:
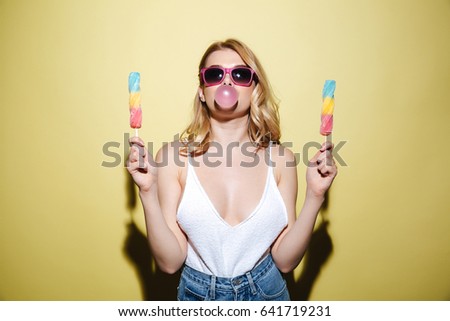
<point x="226" y="58"/>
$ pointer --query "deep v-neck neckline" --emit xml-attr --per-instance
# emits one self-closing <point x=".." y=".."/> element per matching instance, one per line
<point x="213" y="207"/>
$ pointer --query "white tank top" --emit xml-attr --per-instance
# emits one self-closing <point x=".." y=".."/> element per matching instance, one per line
<point x="218" y="248"/>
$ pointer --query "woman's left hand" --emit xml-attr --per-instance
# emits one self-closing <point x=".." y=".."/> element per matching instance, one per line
<point x="321" y="171"/>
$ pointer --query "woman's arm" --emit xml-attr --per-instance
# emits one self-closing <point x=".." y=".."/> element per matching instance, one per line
<point x="291" y="245"/>
<point x="159" y="191"/>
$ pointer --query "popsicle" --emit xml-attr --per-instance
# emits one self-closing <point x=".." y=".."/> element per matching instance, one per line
<point x="326" y="126"/>
<point x="134" y="88"/>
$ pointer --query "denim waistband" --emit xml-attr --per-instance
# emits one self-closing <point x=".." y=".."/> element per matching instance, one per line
<point x="234" y="283"/>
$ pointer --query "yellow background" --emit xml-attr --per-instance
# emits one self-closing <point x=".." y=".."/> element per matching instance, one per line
<point x="64" y="65"/>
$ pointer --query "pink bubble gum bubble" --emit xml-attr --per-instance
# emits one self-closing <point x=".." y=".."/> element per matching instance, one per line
<point x="226" y="96"/>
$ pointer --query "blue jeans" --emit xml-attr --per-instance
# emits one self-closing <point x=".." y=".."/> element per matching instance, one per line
<point x="263" y="283"/>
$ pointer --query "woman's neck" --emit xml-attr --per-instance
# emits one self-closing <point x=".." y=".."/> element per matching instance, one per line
<point x="230" y="131"/>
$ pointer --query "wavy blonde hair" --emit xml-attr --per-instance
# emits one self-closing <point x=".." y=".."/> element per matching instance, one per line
<point x="264" y="119"/>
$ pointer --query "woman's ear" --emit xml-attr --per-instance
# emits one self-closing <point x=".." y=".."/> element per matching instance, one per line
<point x="201" y="95"/>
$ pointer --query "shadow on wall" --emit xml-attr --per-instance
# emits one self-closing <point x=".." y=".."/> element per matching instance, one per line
<point x="155" y="285"/>
<point x="319" y="251"/>
<point x="159" y="286"/>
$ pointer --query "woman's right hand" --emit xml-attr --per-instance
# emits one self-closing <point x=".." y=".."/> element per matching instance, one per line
<point x="140" y="165"/>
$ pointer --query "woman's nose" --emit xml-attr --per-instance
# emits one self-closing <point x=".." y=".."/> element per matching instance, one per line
<point x="227" y="79"/>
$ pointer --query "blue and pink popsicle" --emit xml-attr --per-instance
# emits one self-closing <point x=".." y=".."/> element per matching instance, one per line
<point x="135" y="100"/>
<point x="326" y="126"/>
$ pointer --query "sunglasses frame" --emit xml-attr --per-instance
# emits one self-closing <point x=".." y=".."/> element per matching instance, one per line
<point x="229" y="72"/>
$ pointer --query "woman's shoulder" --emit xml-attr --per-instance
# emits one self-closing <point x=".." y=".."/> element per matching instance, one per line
<point x="283" y="161"/>
<point x="282" y="155"/>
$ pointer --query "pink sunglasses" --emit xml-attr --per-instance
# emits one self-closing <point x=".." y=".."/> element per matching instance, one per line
<point x="240" y="75"/>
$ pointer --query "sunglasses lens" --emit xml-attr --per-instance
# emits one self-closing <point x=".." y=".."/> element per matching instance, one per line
<point x="241" y="76"/>
<point x="213" y="75"/>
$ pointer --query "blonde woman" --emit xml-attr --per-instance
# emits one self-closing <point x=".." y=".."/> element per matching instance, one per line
<point x="220" y="204"/>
